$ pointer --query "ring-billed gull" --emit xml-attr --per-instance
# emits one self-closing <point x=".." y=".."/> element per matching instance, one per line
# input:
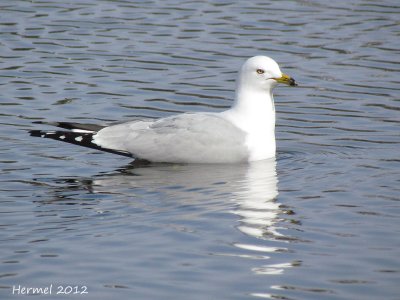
<point x="243" y="133"/>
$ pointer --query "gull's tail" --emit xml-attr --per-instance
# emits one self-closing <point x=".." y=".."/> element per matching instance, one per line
<point x="79" y="134"/>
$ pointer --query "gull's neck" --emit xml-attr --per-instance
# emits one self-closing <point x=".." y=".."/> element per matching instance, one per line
<point x="253" y="109"/>
<point x="253" y="112"/>
<point x="257" y="106"/>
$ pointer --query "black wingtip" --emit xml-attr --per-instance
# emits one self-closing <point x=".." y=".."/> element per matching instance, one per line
<point x="72" y="125"/>
<point x="37" y="133"/>
<point x="80" y="139"/>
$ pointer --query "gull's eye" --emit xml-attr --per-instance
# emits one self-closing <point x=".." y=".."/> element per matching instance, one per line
<point x="260" y="71"/>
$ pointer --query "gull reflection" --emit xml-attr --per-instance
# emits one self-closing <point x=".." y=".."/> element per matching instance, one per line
<point x="259" y="213"/>
<point x="255" y="198"/>
<point x="247" y="190"/>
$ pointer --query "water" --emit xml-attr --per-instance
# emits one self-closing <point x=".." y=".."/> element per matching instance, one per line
<point x="319" y="222"/>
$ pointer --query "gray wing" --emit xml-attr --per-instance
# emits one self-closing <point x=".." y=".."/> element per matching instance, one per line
<point x="186" y="138"/>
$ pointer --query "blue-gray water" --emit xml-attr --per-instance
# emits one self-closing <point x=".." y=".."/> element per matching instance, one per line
<point x="319" y="222"/>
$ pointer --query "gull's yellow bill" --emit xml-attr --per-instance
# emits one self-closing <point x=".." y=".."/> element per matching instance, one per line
<point x="286" y="79"/>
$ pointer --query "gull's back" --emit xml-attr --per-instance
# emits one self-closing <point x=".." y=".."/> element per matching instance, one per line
<point x="186" y="138"/>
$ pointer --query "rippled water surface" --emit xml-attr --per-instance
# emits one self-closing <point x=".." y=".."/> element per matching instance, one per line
<point x="319" y="222"/>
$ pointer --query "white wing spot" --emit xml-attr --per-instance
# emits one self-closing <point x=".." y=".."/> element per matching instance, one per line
<point x="79" y="139"/>
<point x="81" y="131"/>
<point x="43" y="135"/>
<point x="62" y="137"/>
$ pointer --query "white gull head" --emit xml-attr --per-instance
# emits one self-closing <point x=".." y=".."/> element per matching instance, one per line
<point x="253" y="110"/>
<point x="259" y="72"/>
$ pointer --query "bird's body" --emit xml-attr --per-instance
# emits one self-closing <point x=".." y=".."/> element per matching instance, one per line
<point x="245" y="132"/>
<point x="184" y="138"/>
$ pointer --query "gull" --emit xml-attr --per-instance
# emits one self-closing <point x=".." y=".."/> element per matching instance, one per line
<point x="243" y="133"/>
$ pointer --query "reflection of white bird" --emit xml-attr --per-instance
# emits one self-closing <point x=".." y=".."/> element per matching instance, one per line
<point x="245" y="132"/>
<point x="252" y="188"/>
<point x="256" y="199"/>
